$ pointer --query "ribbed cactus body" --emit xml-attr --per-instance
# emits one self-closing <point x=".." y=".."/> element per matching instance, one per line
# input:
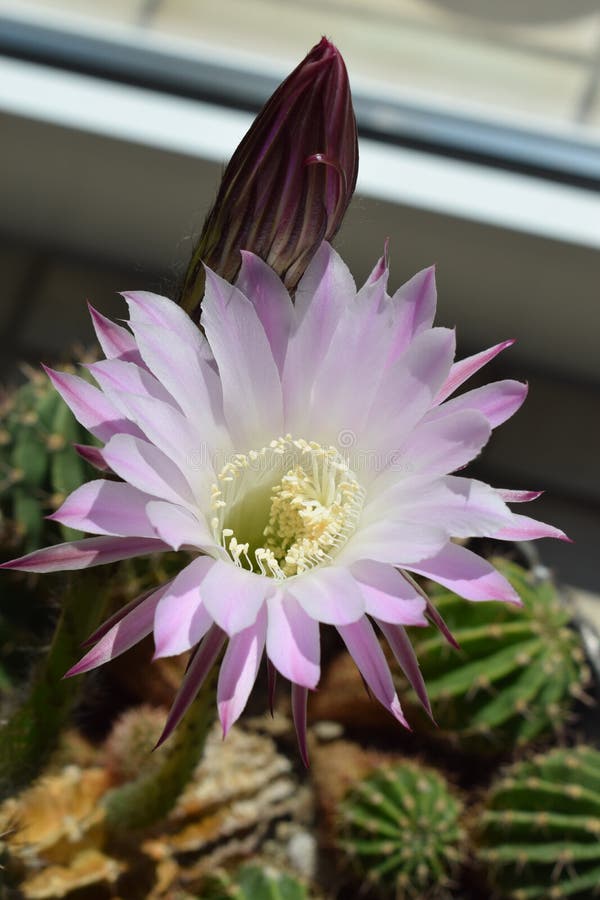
<point x="254" y="882"/>
<point x="400" y="826"/>
<point x="539" y="834"/>
<point x="516" y="673"/>
<point x="38" y="463"/>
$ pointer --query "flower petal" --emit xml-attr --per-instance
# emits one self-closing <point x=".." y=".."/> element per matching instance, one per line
<point x="134" y="626"/>
<point x="380" y="270"/>
<point x="329" y="595"/>
<point x="252" y="398"/>
<point x="389" y="596"/>
<point x="463" y="507"/>
<point x="106" y="507"/>
<point x="167" y="428"/>
<point x="181" y="618"/>
<point x="464" y="368"/>
<point x="413" y="308"/>
<point x="188" y="377"/>
<point x="497" y="402"/>
<point x="323" y="292"/>
<point x="343" y="395"/>
<point x="233" y="596"/>
<point x="146" y="468"/>
<point x="293" y="641"/>
<point x="116" y="342"/>
<point x="273" y="305"/>
<point x="406" y="658"/>
<point x="518" y="496"/>
<point x="90" y="406"/>
<point x="467" y="574"/>
<point x="437" y="448"/>
<point x="116" y="617"/>
<point x="408" y="388"/>
<point x="436" y="619"/>
<point x="117" y="375"/>
<point x="92" y="455"/>
<point x="239" y="670"/>
<point x="327" y="283"/>
<point x="178" y="527"/>
<point x="146" y="308"/>
<point x="366" y="651"/>
<point x="299" y="704"/>
<point x="524" y="528"/>
<point x="271" y="685"/>
<point x="392" y="542"/>
<point x="84" y="554"/>
<point x="200" y="665"/>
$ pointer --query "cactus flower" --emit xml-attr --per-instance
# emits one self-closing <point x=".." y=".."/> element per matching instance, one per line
<point x="289" y="182"/>
<point x="300" y="458"/>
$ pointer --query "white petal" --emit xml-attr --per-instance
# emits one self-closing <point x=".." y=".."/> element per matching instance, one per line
<point x="329" y="594"/>
<point x="252" y="397"/>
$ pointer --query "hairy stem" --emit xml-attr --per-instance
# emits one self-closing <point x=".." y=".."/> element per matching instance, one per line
<point x="31" y="733"/>
<point x="152" y="796"/>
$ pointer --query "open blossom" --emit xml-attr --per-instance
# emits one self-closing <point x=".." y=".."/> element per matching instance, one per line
<point x="299" y="456"/>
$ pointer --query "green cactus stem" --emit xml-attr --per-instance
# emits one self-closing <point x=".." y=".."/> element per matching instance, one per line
<point x="31" y="733"/>
<point x="38" y="463"/>
<point x="400" y="828"/>
<point x="539" y="833"/>
<point x="516" y="674"/>
<point x="150" y="797"/>
<point x="253" y="882"/>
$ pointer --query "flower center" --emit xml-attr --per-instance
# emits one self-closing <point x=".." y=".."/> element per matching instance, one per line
<point x="286" y="508"/>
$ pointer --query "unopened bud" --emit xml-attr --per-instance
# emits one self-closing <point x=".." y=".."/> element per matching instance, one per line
<point x="289" y="182"/>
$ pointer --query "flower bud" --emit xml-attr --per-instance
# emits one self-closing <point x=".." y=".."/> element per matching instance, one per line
<point x="289" y="183"/>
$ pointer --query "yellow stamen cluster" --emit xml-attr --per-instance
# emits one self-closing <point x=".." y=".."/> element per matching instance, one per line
<point x="304" y="517"/>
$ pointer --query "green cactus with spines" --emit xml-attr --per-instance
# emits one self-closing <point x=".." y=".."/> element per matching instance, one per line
<point x="516" y="674"/>
<point x="538" y="835"/>
<point x="254" y="882"/>
<point x="38" y="464"/>
<point x="400" y="827"/>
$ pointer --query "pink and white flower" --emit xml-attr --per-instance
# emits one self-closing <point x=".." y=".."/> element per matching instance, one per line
<point x="300" y="456"/>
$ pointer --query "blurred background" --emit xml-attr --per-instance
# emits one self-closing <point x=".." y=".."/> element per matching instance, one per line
<point x="480" y="151"/>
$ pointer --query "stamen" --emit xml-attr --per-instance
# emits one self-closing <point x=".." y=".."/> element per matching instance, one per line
<point x="309" y="513"/>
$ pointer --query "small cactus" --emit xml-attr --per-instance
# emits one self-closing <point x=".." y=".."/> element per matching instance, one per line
<point x="253" y="882"/>
<point x="539" y="834"/>
<point x="129" y="749"/>
<point x="515" y="675"/>
<point x="400" y="826"/>
<point x="38" y="464"/>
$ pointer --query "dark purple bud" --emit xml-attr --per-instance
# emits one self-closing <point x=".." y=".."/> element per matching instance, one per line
<point x="289" y="182"/>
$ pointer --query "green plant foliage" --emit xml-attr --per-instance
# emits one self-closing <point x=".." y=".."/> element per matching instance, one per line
<point x="516" y="673"/>
<point x="539" y="834"/>
<point x="38" y="464"/>
<point x="400" y="827"/>
<point x="253" y="882"/>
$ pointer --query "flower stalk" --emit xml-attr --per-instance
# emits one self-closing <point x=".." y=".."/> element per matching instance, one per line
<point x="288" y="184"/>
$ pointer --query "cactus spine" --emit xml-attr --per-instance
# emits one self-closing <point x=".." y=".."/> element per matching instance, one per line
<point x="400" y="826"/>
<point x="539" y="833"/>
<point x="516" y="673"/>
